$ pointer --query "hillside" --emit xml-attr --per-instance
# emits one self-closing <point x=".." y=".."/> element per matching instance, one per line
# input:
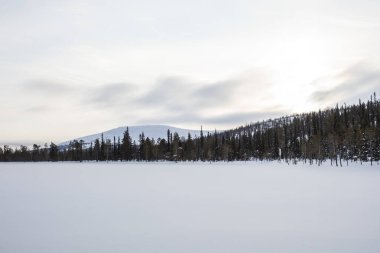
<point x="151" y="131"/>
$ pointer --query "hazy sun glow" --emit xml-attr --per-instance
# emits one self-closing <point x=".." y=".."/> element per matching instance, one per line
<point x="296" y="62"/>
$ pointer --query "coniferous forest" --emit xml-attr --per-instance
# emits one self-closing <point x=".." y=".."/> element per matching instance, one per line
<point x="336" y="135"/>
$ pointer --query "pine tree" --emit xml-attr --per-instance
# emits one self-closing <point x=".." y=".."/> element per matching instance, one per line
<point x="53" y="152"/>
<point x="102" y="149"/>
<point x="127" y="146"/>
<point x="97" y="150"/>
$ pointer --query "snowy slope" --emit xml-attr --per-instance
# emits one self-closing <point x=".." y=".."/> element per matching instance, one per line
<point x="151" y="131"/>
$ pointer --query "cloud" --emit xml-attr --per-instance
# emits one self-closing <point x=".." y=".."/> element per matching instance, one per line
<point x="179" y="94"/>
<point x="355" y="81"/>
<point x="38" y="109"/>
<point x="177" y="100"/>
<point x="166" y="92"/>
<point x="218" y="93"/>
<point x="170" y="100"/>
<point x="43" y="96"/>
<point x="112" y="95"/>
<point x="244" y="117"/>
<point x="227" y="119"/>
<point x="45" y="87"/>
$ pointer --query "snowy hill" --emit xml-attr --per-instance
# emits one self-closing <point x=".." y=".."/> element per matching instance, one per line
<point x="151" y="131"/>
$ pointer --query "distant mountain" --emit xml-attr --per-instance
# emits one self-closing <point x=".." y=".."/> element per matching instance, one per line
<point x="151" y="131"/>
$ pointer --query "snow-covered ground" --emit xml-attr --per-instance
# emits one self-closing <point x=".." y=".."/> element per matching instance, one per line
<point x="188" y="207"/>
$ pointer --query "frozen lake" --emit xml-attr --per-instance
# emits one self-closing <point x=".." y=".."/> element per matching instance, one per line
<point x="188" y="207"/>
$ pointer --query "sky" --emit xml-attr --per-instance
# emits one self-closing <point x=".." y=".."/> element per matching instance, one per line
<point x="73" y="68"/>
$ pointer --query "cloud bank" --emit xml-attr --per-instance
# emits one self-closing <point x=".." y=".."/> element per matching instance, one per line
<point x="354" y="82"/>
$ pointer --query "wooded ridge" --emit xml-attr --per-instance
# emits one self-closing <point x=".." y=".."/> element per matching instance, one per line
<point x="336" y="134"/>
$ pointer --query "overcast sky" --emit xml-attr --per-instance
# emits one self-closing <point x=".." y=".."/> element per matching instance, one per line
<point x="73" y="68"/>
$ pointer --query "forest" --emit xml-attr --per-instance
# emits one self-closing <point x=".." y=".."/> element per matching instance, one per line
<point x="337" y="135"/>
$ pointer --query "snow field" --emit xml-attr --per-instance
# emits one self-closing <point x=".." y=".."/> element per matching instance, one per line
<point x="188" y="207"/>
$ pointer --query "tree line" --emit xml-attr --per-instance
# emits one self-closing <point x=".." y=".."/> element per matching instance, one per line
<point x="337" y="135"/>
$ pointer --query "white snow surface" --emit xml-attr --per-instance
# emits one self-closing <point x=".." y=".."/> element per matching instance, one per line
<point x="151" y="131"/>
<point x="188" y="207"/>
